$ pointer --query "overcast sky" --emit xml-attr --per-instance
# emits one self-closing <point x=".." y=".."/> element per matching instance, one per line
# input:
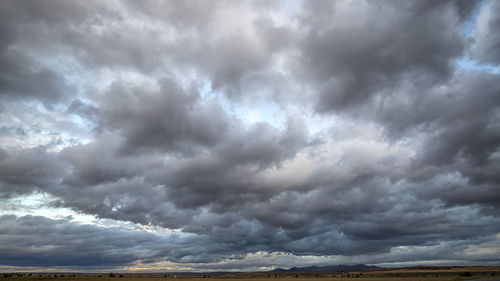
<point x="248" y="135"/>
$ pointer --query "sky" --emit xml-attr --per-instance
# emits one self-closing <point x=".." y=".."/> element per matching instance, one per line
<point x="247" y="135"/>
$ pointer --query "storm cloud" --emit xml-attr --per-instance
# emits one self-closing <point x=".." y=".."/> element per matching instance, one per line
<point x="246" y="135"/>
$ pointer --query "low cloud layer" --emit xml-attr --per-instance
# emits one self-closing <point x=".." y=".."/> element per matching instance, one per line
<point x="249" y="134"/>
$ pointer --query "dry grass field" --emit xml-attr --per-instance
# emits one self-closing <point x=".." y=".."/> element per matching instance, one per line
<point x="421" y="278"/>
<point x="404" y="274"/>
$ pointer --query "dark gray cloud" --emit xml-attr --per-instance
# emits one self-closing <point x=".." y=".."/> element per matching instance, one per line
<point x="472" y="102"/>
<point x="147" y="119"/>
<point x="355" y="52"/>
<point x="99" y="162"/>
<point x="25" y="25"/>
<point x="39" y="241"/>
<point x="86" y="111"/>
<point x="170" y="119"/>
<point x="44" y="84"/>
<point x="25" y="170"/>
<point x="47" y="242"/>
<point x="462" y="139"/>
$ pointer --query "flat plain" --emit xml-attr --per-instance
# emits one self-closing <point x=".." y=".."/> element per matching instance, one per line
<point x="422" y="273"/>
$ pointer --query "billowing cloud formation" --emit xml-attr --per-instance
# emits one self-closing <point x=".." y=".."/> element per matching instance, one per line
<point x="487" y="42"/>
<point x="250" y="132"/>
<point x="372" y="47"/>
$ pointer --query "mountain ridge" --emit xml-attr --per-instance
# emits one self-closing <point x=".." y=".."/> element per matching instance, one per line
<point x="340" y="267"/>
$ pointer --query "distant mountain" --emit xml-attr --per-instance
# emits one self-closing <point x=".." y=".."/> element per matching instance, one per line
<point x="341" y="267"/>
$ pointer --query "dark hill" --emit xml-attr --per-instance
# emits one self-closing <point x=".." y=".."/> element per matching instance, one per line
<point x="341" y="267"/>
